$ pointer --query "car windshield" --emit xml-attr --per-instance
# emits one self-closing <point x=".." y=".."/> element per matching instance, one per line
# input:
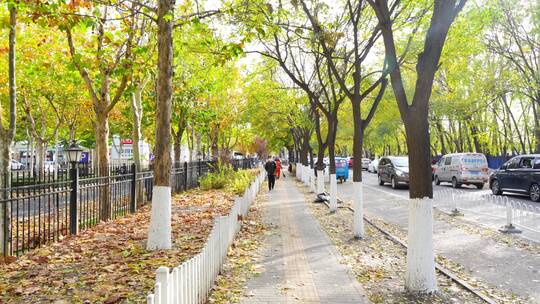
<point x="400" y="161"/>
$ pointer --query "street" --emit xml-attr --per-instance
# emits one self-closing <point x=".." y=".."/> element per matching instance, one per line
<point x="471" y="202"/>
<point x="498" y="264"/>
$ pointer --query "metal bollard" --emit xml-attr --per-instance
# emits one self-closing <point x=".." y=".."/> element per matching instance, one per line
<point x="455" y="211"/>
<point x="509" y="227"/>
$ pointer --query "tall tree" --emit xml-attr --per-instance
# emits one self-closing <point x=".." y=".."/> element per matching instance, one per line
<point x="420" y="276"/>
<point x="516" y="38"/>
<point x="112" y="62"/>
<point x="7" y="132"/>
<point x="159" y="234"/>
<point x="346" y="64"/>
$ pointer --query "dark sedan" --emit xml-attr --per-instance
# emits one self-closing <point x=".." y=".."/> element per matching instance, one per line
<point x="393" y="170"/>
<point x="521" y="174"/>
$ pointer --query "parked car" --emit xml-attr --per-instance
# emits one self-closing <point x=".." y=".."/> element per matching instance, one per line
<point x="351" y="159"/>
<point x="373" y="165"/>
<point x="393" y="170"/>
<point x="365" y="163"/>
<point x="15" y="165"/>
<point x="462" y="168"/>
<point x="521" y="174"/>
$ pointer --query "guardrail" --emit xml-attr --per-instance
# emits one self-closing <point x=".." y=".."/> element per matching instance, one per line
<point x="514" y="213"/>
<point x="192" y="281"/>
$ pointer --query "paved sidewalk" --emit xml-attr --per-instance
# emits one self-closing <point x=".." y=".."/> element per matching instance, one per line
<point x="300" y="265"/>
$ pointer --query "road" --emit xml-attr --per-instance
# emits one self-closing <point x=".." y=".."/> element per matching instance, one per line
<point x="371" y="179"/>
<point x="500" y="265"/>
<point x="474" y="206"/>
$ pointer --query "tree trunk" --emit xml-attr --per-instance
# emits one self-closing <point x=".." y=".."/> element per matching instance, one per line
<point x="159" y="235"/>
<point x="178" y="141"/>
<point x="136" y="132"/>
<point x="305" y="147"/>
<point x="474" y="133"/>
<point x="418" y="146"/>
<point x="516" y="127"/>
<point x="136" y="108"/>
<point x="177" y="151"/>
<point x="30" y="154"/>
<point x="56" y="153"/>
<point x="40" y="159"/>
<point x="5" y="214"/>
<point x="441" y="136"/>
<point x="332" y="129"/>
<point x="72" y="132"/>
<point x="6" y="137"/>
<point x="102" y="164"/>
<point x="358" y="198"/>
<point x="358" y="141"/>
<point x="468" y="138"/>
<point x="536" y="115"/>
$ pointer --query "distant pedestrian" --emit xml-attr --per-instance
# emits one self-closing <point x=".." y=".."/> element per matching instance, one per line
<point x="270" y="168"/>
<point x="278" y="168"/>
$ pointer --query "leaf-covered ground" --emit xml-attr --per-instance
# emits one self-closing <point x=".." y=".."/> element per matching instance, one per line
<point x="378" y="263"/>
<point x="109" y="263"/>
<point x="241" y="263"/>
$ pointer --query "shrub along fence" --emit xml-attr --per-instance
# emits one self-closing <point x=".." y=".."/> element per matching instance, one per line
<point x="45" y="208"/>
<point x="192" y="281"/>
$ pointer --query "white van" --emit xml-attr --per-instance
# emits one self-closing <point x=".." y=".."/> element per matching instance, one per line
<point x="462" y="168"/>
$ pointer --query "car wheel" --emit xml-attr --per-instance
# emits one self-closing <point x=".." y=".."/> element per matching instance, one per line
<point x="394" y="183"/>
<point x="455" y="184"/>
<point x="480" y="186"/>
<point x="437" y="181"/>
<point x="534" y="193"/>
<point x="495" y="189"/>
<point x="381" y="182"/>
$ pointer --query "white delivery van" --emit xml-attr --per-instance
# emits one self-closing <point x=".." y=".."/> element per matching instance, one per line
<point x="462" y="168"/>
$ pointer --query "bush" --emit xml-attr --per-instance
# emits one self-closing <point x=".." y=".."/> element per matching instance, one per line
<point x="224" y="177"/>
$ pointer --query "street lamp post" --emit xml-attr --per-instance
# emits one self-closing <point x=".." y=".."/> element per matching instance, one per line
<point x="74" y="153"/>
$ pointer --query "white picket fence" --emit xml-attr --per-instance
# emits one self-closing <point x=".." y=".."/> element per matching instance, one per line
<point x="513" y="212"/>
<point x="191" y="282"/>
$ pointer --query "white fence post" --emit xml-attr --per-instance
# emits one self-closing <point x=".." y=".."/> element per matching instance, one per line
<point x="175" y="285"/>
<point x="190" y="282"/>
<point x="157" y="293"/>
<point x="162" y="277"/>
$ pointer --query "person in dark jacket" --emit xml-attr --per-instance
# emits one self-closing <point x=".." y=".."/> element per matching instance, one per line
<point x="270" y="168"/>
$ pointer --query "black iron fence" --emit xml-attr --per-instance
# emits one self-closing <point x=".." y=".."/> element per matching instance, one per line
<point x="40" y="209"/>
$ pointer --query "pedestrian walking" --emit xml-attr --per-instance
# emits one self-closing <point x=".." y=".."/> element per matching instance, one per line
<point x="278" y="167"/>
<point x="270" y="168"/>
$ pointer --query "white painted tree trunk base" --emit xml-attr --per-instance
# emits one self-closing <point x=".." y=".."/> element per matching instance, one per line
<point x="312" y="177"/>
<point x="320" y="181"/>
<point x="420" y="276"/>
<point x="358" y="206"/>
<point x="333" y="193"/>
<point x="159" y="232"/>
